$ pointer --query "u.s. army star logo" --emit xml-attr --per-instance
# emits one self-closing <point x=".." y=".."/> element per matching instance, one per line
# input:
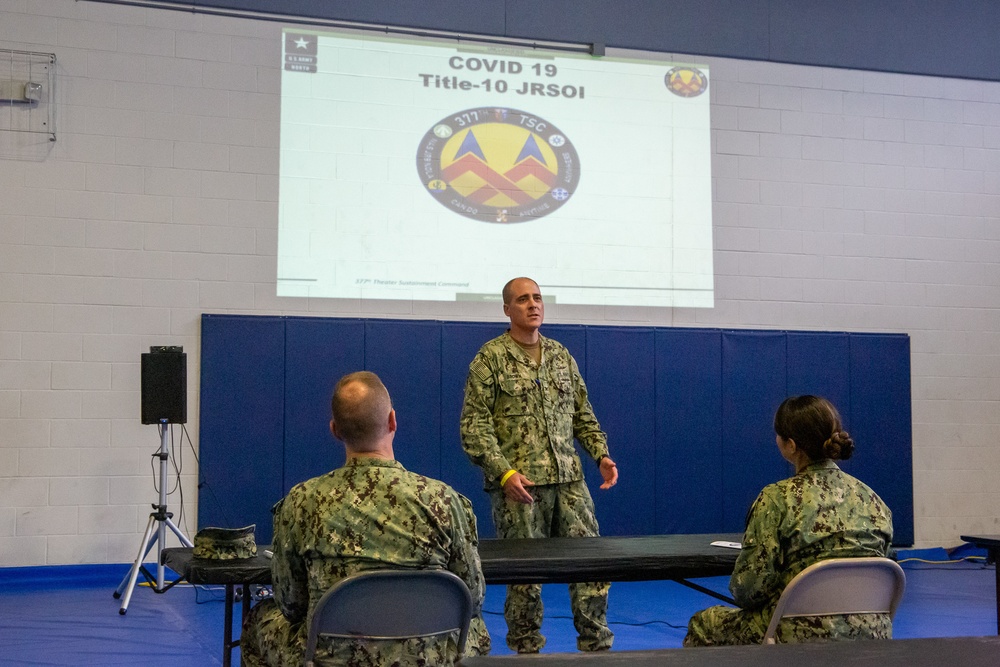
<point x="498" y="165"/>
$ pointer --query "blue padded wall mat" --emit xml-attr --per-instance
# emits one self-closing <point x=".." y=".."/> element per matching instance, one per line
<point x="819" y="363"/>
<point x="688" y="431"/>
<point x="242" y="434"/>
<point x="620" y="380"/>
<point x="407" y="356"/>
<point x="881" y="423"/>
<point x="753" y="385"/>
<point x="688" y="411"/>
<point x="316" y="350"/>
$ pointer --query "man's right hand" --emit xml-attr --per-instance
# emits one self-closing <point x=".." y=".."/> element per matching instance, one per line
<point x="515" y="491"/>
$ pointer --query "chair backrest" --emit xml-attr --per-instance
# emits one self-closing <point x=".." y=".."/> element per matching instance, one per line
<point x="840" y="586"/>
<point x="392" y="605"/>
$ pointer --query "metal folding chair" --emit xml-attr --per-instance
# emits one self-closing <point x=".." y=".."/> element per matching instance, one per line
<point x="392" y="605"/>
<point x="840" y="586"/>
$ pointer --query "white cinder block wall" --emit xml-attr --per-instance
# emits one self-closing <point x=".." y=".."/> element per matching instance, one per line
<point x="844" y="200"/>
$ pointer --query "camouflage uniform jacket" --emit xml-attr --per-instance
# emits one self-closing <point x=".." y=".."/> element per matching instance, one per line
<point x="819" y="513"/>
<point x="371" y="514"/>
<point x="521" y="416"/>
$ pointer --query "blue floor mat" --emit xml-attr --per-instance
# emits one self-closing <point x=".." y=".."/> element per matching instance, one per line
<point x="67" y="615"/>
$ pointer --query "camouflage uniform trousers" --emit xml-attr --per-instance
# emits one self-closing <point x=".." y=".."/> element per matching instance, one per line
<point x="269" y="640"/>
<point x="559" y="510"/>
<point x="726" y="626"/>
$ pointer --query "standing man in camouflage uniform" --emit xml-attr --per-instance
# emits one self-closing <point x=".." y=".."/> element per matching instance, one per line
<point x="371" y="514"/>
<point x="818" y="514"/>
<point x="524" y="403"/>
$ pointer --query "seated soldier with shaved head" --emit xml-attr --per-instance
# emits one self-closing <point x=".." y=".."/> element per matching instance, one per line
<point x="370" y="514"/>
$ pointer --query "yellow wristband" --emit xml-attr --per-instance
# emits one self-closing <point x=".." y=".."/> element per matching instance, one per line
<point x="507" y="475"/>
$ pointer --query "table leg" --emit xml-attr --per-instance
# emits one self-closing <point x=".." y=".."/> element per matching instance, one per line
<point x="994" y="552"/>
<point x="706" y="591"/>
<point x="227" y="630"/>
<point x="243" y="612"/>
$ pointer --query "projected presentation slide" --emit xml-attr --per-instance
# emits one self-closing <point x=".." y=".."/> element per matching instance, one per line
<point x="437" y="170"/>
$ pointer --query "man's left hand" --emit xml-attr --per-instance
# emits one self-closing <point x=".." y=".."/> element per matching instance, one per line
<point x="609" y="471"/>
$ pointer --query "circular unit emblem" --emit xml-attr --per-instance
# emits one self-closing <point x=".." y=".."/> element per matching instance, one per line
<point x="498" y="165"/>
<point x="686" y="81"/>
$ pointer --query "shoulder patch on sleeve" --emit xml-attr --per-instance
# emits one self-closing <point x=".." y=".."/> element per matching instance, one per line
<point x="480" y="371"/>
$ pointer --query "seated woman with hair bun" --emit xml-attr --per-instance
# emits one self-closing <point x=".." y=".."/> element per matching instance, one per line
<point x="819" y="513"/>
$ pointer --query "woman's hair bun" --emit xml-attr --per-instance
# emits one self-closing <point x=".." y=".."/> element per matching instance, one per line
<point x="839" y="446"/>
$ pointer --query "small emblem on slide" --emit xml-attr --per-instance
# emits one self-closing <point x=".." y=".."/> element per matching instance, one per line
<point x="300" y="52"/>
<point x="686" y="81"/>
<point x="498" y="165"/>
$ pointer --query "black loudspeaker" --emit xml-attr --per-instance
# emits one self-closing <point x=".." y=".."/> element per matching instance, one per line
<point x="164" y="385"/>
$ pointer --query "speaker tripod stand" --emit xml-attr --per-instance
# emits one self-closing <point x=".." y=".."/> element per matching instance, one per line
<point x="159" y="519"/>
